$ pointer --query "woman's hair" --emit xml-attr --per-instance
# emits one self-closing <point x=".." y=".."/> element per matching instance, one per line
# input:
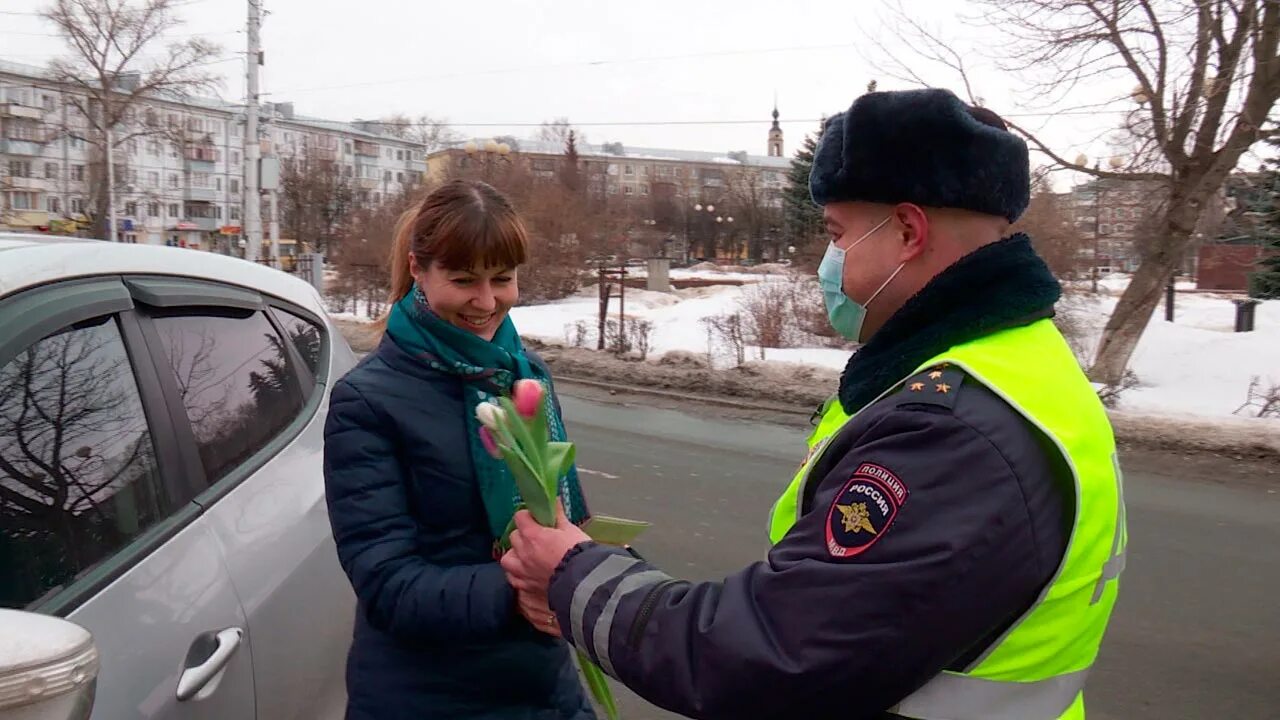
<point x="461" y="224"/>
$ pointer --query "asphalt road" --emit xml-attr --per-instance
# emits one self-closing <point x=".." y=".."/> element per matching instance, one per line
<point x="1196" y="633"/>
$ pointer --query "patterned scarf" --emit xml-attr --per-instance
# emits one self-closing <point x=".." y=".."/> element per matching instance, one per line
<point x="486" y="369"/>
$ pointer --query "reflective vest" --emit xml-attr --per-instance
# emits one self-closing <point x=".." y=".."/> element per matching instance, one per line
<point x="1037" y="669"/>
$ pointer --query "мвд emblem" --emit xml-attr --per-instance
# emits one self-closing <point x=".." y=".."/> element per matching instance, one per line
<point x="863" y="510"/>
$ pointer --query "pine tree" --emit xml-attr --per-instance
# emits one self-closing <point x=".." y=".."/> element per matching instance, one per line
<point x="1265" y="283"/>
<point x="801" y="216"/>
<point x="569" y="173"/>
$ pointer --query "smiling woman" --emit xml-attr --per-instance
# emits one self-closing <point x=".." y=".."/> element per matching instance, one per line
<point x="415" y="500"/>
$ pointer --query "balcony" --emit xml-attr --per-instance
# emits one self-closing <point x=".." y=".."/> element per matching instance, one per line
<point x="366" y="149"/>
<point x="29" y="148"/>
<point x="194" y="165"/>
<point x="322" y="153"/>
<point x="29" y="183"/>
<point x="14" y="110"/>
<point x="195" y="194"/>
<point x="368" y="183"/>
<point x="198" y="223"/>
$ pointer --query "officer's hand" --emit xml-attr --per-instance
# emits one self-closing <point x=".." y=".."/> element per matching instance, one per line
<point x="536" y="551"/>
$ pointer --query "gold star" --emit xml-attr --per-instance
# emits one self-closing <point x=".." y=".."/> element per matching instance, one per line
<point x="935" y="375"/>
<point x="856" y="518"/>
<point x="917" y="387"/>
<point x="943" y="388"/>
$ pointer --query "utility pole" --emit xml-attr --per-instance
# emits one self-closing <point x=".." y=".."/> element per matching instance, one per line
<point x="111" y="176"/>
<point x="252" y="146"/>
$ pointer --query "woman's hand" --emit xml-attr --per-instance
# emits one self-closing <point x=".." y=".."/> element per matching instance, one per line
<point x="535" y="608"/>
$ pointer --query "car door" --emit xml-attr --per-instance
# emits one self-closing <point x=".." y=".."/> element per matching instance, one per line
<point x="97" y="519"/>
<point x="251" y="374"/>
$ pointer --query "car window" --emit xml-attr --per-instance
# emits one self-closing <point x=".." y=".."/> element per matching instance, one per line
<point x="305" y="336"/>
<point x="78" y="474"/>
<point x="235" y="380"/>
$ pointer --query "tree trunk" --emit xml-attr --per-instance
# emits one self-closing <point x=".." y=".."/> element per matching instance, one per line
<point x="1161" y="257"/>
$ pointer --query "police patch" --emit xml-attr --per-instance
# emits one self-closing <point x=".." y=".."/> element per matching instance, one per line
<point x="863" y="510"/>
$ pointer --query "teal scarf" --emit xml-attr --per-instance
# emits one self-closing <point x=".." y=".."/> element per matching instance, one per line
<point x="486" y="369"/>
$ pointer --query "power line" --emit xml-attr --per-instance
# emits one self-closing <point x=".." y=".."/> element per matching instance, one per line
<point x="642" y="123"/>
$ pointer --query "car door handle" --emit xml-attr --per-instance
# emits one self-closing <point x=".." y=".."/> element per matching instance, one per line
<point x="206" y="659"/>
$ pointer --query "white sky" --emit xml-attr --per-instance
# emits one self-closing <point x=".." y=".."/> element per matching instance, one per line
<point x="528" y="61"/>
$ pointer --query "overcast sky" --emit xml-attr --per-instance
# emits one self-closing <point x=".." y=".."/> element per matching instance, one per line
<point x="709" y="64"/>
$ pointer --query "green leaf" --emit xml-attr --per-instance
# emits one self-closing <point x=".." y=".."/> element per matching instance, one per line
<point x="531" y="489"/>
<point x="504" y="542"/>
<point x="599" y="686"/>
<point x="559" y="459"/>
<point x="520" y="429"/>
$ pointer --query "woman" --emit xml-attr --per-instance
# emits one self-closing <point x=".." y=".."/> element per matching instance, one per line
<point x="416" y="503"/>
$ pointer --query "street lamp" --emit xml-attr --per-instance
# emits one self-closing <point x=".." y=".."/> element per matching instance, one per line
<point x="491" y="151"/>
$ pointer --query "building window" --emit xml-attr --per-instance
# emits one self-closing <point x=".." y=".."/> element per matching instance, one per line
<point x="400" y="177"/>
<point x="377" y="198"/>
<point x="217" y="212"/>
<point x="628" y="170"/>
<point x="131" y="209"/>
<point x="386" y="176"/>
<point x="51" y="171"/>
<point x="51" y="204"/>
<point x="132" y="146"/>
<point x="22" y="200"/>
<point x="153" y="179"/>
<point x="644" y="189"/>
<point x="77" y="173"/>
<point x="218" y="184"/>
<point x="173" y="180"/>
<point x="234" y="213"/>
<point x="47" y="102"/>
<point x="19" y="168"/>
<point x="173" y="151"/>
<point x="77" y="205"/>
<point x="1104" y="229"/>
<point x="390" y="153"/>
<point x="628" y="190"/>
<point x="234" y="184"/>
<point x="399" y="154"/>
<point x="153" y="209"/>
<point x="173" y="210"/>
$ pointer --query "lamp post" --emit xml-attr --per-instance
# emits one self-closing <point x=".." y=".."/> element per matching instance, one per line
<point x="488" y="154"/>
<point x="697" y="208"/>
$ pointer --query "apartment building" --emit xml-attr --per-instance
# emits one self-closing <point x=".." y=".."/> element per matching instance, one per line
<point x="179" y="166"/>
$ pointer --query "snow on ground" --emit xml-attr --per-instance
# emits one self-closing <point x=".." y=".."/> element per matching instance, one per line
<point x="1195" y="366"/>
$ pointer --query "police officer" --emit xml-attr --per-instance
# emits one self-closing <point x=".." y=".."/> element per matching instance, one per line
<point x="951" y="545"/>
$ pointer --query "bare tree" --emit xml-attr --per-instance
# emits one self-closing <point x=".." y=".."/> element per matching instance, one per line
<point x="754" y="214"/>
<point x="110" y="73"/>
<point x="557" y="132"/>
<point x="1206" y="75"/>
<point x="316" y="198"/>
<point x="430" y="132"/>
<point x="1049" y="223"/>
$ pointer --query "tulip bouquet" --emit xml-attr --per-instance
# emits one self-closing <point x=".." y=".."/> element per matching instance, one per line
<point x="515" y="431"/>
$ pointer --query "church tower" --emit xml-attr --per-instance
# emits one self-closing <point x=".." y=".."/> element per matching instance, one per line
<point x="775" y="134"/>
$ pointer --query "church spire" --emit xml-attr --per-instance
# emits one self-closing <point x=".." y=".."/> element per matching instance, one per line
<point x="775" y="132"/>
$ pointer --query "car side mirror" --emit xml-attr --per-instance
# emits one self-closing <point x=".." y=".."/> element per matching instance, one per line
<point x="48" y="668"/>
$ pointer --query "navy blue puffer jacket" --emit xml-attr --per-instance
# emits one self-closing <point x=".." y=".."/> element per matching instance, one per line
<point x="437" y="634"/>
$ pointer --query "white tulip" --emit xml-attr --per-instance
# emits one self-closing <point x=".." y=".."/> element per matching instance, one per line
<point x="490" y="415"/>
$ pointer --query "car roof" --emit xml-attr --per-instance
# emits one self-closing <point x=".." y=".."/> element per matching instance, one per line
<point x="27" y="261"/>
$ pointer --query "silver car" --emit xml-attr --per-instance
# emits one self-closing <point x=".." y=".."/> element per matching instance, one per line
<point x="161" y="484"/>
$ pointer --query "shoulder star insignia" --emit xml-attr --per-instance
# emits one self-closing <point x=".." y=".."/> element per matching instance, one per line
<point x="917" y="387"/>
<point x="935" y="375"/>
<point x="856" y="518"/>
<point x="943" y="388"/>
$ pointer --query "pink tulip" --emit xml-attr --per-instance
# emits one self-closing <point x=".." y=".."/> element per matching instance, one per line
<point x="527" y="396"/>
<point x="490" y="445"/>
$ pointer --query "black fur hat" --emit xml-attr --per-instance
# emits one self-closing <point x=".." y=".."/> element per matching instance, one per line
<point x="924" y="147"/>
